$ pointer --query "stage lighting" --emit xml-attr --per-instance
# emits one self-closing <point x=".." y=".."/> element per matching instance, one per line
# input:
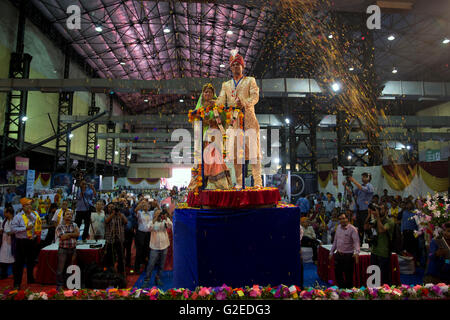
<point x="70" y="135"/>
<point x="145" y="100"/>
<point x="287" y="120"/>
<point x="408" y="147"/>
<point x="116" y="152"/>
<point x="349" y="157"/>
<point x="181" y="100"/>
<point x="446" y="40"/>
<point x="351" y="68"/>
<point x="166" y="30"/>
<point x="277" y="160"/>
<point x="391" y="37"/>
<point x="330" y="36"/>
<point x="394" y="70"/>
<point x="98" y="27"/>
<point x="222" y="65"/>
<point x="336" y="87"/>
<point x="24" y="118"/>
<point x="229" y="32"/>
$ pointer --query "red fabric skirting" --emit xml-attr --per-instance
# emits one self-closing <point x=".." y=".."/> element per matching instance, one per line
<point x="234" y="198"/>
<point x="325" y="269"/>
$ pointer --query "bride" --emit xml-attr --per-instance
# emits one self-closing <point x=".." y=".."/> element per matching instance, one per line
<point x="216" y="172"/>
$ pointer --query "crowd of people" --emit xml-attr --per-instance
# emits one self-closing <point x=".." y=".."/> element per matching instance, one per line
<point x="362" y="219"/>
<point x="358" y="220"/>
<point x="121" y="220"/>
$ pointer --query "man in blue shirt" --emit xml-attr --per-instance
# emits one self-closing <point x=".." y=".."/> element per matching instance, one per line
<point x="363" y="193"/>
<point x="9" y="196"/>
<point x="85" y="196"/>
<point x="408" y="226"/>
<point x="329" y="204"/>
<point x="304" y="205"/>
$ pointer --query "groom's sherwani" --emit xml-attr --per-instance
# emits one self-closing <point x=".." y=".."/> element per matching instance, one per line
<point x="248" y="92"/>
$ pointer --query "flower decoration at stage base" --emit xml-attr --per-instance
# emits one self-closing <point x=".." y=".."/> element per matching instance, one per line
<point x="404" y="292"/>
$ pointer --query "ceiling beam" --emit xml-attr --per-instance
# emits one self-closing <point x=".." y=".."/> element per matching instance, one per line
<point x="280" y="87"/>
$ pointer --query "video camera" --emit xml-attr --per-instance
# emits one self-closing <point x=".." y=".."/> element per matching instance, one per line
<point x="347" y="172"/>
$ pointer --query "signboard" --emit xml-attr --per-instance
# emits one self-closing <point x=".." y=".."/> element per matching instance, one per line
<point x="22" y="164"/>
<point x="30" y="183"/>
<point x="433" y="155"/>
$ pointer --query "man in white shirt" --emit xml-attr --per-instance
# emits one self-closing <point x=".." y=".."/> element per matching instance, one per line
<point x="159" y="243"/>
<point x="308" y="237"/>
<point x="142" y="239"/>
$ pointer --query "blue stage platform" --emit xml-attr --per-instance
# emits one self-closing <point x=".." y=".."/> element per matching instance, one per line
<point x="236" y="247"/>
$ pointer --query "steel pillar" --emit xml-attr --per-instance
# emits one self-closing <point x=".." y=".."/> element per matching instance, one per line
<point x="16" y="101"/>
<point x="91" y="140"/>
<point x="65" y="107"/>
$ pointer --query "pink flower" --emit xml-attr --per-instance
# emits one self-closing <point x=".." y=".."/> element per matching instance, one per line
<point x="204" y="292"/>
<point x="68" y="293"/>
<point x="186" y="294"/>
<point x="221" y="296"/>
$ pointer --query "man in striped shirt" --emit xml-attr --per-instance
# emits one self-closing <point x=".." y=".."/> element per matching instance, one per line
<point x="67" y="233"/>
<point x="346" y="244"/>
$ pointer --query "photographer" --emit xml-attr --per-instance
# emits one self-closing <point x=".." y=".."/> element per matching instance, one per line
<point x="144" y="215"/>
<point x="363" y="194"/>
<point x="380" y="229"/>
<point x="115" y="236"/>
<point x="159" y="243"/>
<point x="85" y="197"/>
<point x="130" y="230"/>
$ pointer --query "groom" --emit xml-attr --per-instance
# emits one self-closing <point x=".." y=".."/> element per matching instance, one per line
<point x="243" y="92"/>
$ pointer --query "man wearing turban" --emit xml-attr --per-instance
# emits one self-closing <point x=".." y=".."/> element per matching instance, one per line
<point x="243" y="92"/>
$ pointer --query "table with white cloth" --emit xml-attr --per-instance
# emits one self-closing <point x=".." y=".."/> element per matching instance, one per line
<point x="48" y="259"/>
<point x="325" y="267"/>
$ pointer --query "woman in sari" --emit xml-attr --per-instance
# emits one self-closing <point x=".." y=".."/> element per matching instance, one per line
<point x="216" y="173"/>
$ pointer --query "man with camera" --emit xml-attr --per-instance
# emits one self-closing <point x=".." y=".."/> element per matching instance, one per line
<point x="85" y="206"/>
<point x="115" y="223"/>
<point x="159" y="243"/>
<point x="363" y="194"/>
<point x="380" y="228"/>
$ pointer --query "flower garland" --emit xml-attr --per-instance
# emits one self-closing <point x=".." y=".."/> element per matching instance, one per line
<point x="232" y="114"/>
<point x="433" y="215"/>
<point x="404" y="292"/>
<point x="196" y="173"/>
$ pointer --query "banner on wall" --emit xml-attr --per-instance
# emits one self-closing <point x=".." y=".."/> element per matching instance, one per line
<point x="30" y="183"/>
<point x="433" y="155"/>
<point x="302" y="184"/>
<point x="16" y="177"/>
<point x="22" y="164"/>
<point x="62" y="181"/>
